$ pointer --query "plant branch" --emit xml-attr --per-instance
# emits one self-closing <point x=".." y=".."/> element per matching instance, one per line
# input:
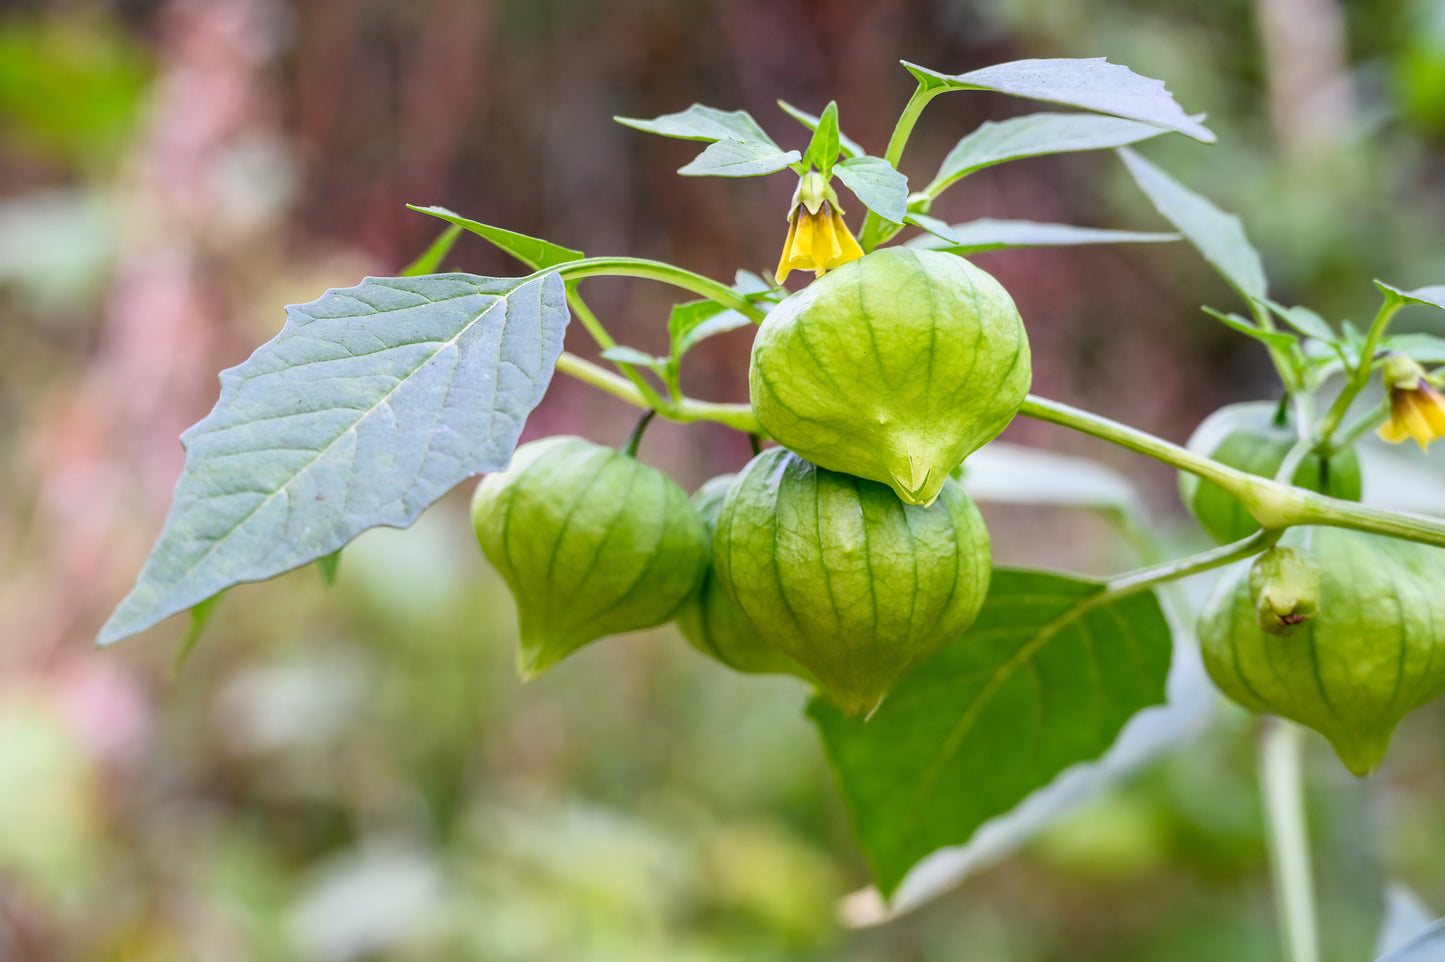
<point x="604" y="340"/>
<point x="875" y="229"/>
<point x="684" y="410"/>
<point x="1272" y="504"/>
<point x="1281" y="780"/>
<point x="1153" y="575"/>
<point x="658" y="271"/>
<point x="1360" y="376"/>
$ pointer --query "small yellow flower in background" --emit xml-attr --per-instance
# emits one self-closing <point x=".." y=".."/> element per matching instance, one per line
<point x="1416" y="409"/>
<point x="818" y="240"/>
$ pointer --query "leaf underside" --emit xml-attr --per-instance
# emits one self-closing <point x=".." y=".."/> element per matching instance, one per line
<point x="1093" y="84"/>
<point x="1047" y="677"/>
<point x="371" y="403"/>
<point x="987" y="234"/>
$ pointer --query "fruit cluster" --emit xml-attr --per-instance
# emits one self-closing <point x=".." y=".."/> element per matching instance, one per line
<point x="848" y="554"/>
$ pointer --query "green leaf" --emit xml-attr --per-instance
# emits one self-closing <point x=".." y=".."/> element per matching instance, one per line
<point x="622" y="354"/>
<point x="695" y="321"/>
<point x="432" y="257"/>
<point x="1431" y="296"/>
<point x="1093" y="84"/>
<point x="1034" y="135"/>
<point x="1425" y="348"/>
<point x="201" y="616"/>
<point x="329" y="566"/>
<point x="739" y="158"/>
<point x="1046" y="678"/>
<point x="934" y="226"/>
<point x="873" y="180"/>
<point x="1302" y="319"/>
<point x="703" y="123"/>
<point x="987" y="234"/>
<point x="824" y="147"/>
<point x="1406" y="918"/>
<point x="1283" y="340"/>
<point x="1218" y="236"/>
<point x="1428" y="946"/>
<point x="534" y="252"/>
<point x="753" y="286"/>
<point x="847" y="145"/>
<point x="370" y="404"/>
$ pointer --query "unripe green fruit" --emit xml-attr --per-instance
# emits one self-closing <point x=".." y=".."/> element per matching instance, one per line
<point x="1373" y="650"/>
<point x="1285" y="586"/>
<point x="591" y="541"/>
<point x="1247" y="436"/>
<point x="844" y="578"/>
<point x="894" y="367"/>
<point x="710" y="621"/>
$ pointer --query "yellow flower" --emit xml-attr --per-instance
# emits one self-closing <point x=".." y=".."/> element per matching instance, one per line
<point x="818" y="240"/>
<point x="1416" y="409"/>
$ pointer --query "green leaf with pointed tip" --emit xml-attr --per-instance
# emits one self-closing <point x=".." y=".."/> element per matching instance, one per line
<point x="702" y="123"/>
<point x="873" y="180"/>
<point x="370" y="404"/>
<point x="1093" y="84"/>
<point x="1302" y="319"/>
<point x="695" y="321"/>
<point x="622" y="354"/>
<point x="987" y="234"/>
<point x="1283" y="340"/>
<point x="431" y="258"/>
<point x="1425" y="348"/>
<point x="1430" y="296"/>
<point x="846" y="144"/>
<point x="329" y="566"/>
<point x="1218" y="236"/>
<point x="201" y="616"/>
<point x="739" y="158"/>
<point x="1046" y="677"/>
<point x="823" y="149"/>
<point x="1035" y="135"/>
<point x="934" y="226"/>
<point x="532" y="251"/>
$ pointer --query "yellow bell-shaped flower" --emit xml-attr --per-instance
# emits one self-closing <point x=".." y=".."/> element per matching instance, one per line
<point x="818" y="240"/>
<point x="1416" y="409"/>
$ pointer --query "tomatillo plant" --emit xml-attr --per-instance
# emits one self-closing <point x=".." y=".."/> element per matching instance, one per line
<point x="850" y="557"/>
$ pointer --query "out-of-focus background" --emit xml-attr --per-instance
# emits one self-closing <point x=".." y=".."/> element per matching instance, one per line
<point x="354" y="773"/>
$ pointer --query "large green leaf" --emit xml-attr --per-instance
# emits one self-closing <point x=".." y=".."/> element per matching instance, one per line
<point x="369" y="405"/>
<point x="702" y="123"/>
<point x="1047" y="677"/>
<point x="532" y="251"/>
<point x="739" y="158"/>
<point x="1218" y="236"/>
<point x="873" y="180"/>
<point x="1093" y="84"/>
<point x="1034" y="135"/>
<point x="987" y="234"/>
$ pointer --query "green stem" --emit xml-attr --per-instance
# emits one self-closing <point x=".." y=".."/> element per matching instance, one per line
<point x="1360" y="376"/>
<point x="1371" y="419"/>
<point x="1281" y="779"/>
<point x="1272" y="504"/>
<point x="635" y="438"/>
<point x="684" y="410"/>
<point x="1133" y="581"/>
<point x="604" y="340"/>
<point x="875" y="229"/>
<point x="658" y="271"/>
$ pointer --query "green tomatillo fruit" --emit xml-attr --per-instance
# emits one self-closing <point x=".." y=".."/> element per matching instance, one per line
<point x="1255" y="438"/>
<point x="715" y="626"/>
<point x="894" y="367"/>
<point x="591" y="542"/>
<point x="850" y="582"/>
<point x="1345" y="633"/>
